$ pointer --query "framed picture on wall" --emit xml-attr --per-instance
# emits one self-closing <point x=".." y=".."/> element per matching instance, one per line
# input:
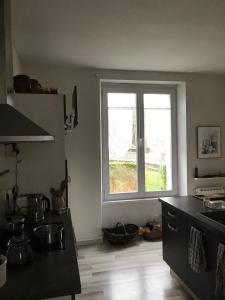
<point x="209" y="141"/>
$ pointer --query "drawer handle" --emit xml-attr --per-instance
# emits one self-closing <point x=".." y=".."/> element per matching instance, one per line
<point x="172" y="228"/>
<point x="171" y="214"/>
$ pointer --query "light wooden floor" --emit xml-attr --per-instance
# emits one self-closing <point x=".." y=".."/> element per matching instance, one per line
<point x="136" y="272"/>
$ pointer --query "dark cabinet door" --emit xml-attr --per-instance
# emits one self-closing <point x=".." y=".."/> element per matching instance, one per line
<point x="175" y="246"/>
<point x="203" y="283"/>
<point x="176" y="231"/>
<point x="220" y="239"/>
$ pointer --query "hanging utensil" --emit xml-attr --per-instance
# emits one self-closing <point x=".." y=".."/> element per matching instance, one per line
<point x="71" y="121"/>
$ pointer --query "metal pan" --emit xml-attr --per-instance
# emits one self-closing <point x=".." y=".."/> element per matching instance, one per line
<point x="49" y="235"/>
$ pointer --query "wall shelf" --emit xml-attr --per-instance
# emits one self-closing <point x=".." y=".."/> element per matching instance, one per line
<point x="208" y="176"/>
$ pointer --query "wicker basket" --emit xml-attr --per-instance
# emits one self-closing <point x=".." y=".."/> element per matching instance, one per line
<point x="154" y="234"/>
<point x="121" y="234"/>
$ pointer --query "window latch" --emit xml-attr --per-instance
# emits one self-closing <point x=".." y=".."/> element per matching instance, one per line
<point x="141" y="142"/>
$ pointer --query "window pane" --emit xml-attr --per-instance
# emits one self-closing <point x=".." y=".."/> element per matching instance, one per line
<point x="122" y="134"/>
<point x="157" y="126"/>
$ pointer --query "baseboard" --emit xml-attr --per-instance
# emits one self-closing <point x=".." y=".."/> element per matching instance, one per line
<point x="89" y="242"/>
<point x="187" y="289"/>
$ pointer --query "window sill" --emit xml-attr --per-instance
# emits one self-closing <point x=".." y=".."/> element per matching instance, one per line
<point x="123" y="201"/>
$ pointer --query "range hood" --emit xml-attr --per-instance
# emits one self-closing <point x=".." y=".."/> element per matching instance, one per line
<point x="14" y="126"/>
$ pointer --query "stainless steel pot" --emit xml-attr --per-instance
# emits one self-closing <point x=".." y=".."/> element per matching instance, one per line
<point x="49" y="235"/>
<point x="19" y="251"/>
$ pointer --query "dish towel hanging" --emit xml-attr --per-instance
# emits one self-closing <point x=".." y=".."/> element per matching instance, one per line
<point x="196" y="251"/>
<point x="220" y="270"/>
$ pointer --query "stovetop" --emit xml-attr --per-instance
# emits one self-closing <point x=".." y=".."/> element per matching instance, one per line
<point x="27" y="232"/>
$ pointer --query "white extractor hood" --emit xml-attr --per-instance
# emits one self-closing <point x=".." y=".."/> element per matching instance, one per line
<point x="14" y="126"/>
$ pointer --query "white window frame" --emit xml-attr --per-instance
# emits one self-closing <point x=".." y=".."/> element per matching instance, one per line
<point x="139" y="89"/>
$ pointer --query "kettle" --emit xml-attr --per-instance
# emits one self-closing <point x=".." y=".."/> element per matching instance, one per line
<point x="37" y="205"/>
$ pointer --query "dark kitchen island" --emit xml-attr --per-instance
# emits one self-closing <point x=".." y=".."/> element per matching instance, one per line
<point x="179" y="214"/>
<point x="53" y="273"/>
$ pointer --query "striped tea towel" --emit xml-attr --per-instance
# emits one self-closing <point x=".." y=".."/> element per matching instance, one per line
<point x="196" y="251"/>
<point x="220" y="270"/>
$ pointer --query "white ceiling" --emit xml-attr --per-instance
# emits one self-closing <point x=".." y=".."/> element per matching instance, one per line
<point x="163" y="35"/>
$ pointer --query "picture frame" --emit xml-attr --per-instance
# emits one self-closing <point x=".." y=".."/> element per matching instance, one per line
<point x="209" y="141"/>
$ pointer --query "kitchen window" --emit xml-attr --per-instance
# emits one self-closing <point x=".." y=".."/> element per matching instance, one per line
<point x="139" y="149"/>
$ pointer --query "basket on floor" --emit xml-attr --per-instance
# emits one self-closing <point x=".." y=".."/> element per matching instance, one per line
<point x="154" y="234"/>
<point x="121" y="234"/>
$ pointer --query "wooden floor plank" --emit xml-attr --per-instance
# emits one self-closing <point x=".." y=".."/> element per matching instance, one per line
<point x="134" y="272"/>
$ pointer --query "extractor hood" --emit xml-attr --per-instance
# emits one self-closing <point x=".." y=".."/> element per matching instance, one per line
<point x="14" y="126"/>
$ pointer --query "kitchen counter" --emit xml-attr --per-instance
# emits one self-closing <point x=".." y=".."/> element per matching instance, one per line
<point x="53" y="273"/>
<point x="187" y="204"/>
<point x="193" y="207"/>
<point x="179" y="215"/>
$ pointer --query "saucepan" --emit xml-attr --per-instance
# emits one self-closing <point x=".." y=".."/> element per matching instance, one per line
<point x="49" y="235"/>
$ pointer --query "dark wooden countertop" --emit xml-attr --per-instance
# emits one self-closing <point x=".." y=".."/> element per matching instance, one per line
<point x="194" y="208"/>
<point x="53" y="273"/>
<point x="187" y="204"/>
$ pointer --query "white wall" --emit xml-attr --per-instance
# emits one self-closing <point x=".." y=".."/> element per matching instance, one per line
<point x="137" y="212"/>
<point x="7" y="159"/>
<point x="38" y="160"/>
<point x="16" y="63"/>
<point x="182" y="138"/>
<point x="205" y="106"/>
<point x="83" y="146"/>
<point x="42" y="164"/>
